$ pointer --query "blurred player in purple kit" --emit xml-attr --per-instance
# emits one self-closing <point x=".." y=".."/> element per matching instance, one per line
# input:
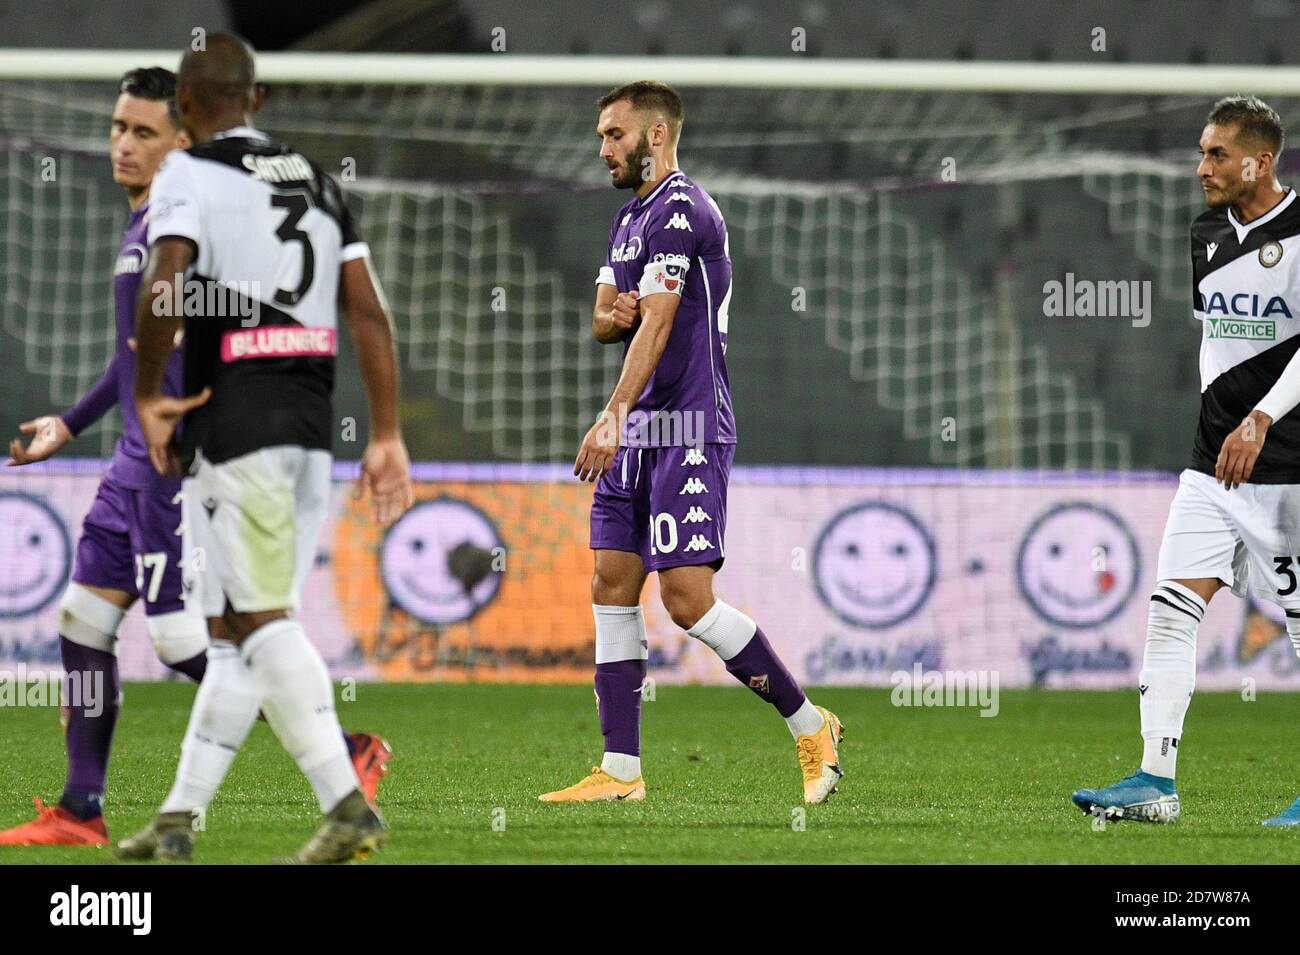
<point x="130" y="546"/>
<point x="662" y="449"/>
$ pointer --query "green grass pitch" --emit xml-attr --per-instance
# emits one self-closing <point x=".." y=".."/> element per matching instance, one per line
<point x="922" y="785"/>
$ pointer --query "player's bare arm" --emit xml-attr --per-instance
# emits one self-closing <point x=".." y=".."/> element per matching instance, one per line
<point x="615" y="315"/>
<point x="596" y="455"/>
<point x="1241" y="449"/>
<point x="385" y="466"/>
<point x="50" y="433"/>
<point x="155" y="333"/>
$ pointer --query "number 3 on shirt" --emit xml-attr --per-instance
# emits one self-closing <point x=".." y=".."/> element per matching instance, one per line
<point x="296" y="205"/>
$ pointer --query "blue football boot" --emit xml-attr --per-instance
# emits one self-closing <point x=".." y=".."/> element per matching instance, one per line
<point x="1139" y="796"/>
<point x="1290" y="816"/>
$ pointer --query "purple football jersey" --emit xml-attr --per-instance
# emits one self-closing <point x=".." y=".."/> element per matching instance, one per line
<point x="674" y="241"/>
<point x="130" y="466"/>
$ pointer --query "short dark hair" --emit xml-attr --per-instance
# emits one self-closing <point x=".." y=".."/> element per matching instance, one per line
<point x="153" y="83"/>
<point x="1257" y="122"/>
<point x="650" y="95"/>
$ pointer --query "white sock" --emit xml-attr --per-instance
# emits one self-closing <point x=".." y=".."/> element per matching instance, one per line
<point x="621" y="766"/>
<point x="225" y="708"/>
<point x="1168" y="674"/>
<point x="806" y="720"/>
<point x="620" y="633"/>
<point x="1293" y="629"/>
<point x="1160" y="756"/>
<point x="297" y="698"/>
<point x="724" y="629"/>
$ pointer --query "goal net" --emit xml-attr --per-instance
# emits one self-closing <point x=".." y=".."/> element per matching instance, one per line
<point x="892" y="251"/>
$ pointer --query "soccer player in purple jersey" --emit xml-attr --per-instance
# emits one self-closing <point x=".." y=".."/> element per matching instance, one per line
<point x="130" y="546"/>
<point x="662" y="449"/>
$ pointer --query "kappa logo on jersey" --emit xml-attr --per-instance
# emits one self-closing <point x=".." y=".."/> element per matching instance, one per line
<point x="679" y="197"/>
<point x="628" y="250"/>
<point x="1247" y="304"/>
<point x="697" y="543"/>
<point x="696" y="515"/>
<point x="1210" y="249"/>
<point x="679" y="221"/>
<point x="693" y="486"/>
<point x="694" y="456"/>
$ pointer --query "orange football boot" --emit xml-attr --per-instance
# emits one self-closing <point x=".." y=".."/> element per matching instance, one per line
<point x="55" y="826"/>
<point x="369" y="761"/>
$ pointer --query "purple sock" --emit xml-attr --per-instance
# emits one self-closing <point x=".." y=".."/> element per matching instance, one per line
<point x="194" y="667"/>
<point x="92" y="704"/>
<point x="758" y="667"/>
<point x="618" y="687"/>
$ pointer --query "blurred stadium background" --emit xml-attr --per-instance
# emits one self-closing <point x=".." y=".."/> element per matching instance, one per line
<point x="900" y="394"/>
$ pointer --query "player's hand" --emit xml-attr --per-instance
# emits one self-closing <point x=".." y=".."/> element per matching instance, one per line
<point x="1241" y="450"/>
<point x="51" y="434"/>
<point x="596" y="455"/>
<point x="386" y="474"/>
<point x="625" y="312"/>
<point x="159" y="416"/>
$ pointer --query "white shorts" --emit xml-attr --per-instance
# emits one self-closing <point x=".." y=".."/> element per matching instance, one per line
<point x="249" y="529"/>
<point x="1248" y="537"/>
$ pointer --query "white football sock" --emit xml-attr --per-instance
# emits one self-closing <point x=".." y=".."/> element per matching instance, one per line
<point x="1293" y="629"/>
<point x="806" y="720"/>
<point x="1168" y="674"/>
<point x="724" y="630"/>
<point x="225" y="708"/>
<point x="1160" y="756"/>
<point x="622" y="766"/>
<point x="297" y="699"/>
<point x="620" y="633"/>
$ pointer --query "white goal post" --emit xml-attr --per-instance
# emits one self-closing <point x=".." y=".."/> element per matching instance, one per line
<point x="793" y="72"/>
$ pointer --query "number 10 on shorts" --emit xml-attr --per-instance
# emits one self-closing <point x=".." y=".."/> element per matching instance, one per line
<point x="663" y="534"/>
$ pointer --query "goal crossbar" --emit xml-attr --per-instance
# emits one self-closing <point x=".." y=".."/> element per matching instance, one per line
<point x="792" y="72"/>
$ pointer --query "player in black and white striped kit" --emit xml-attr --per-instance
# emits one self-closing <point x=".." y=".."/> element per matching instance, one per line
<point x="1235" y="520"/>
<point x="251" y="242"/>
